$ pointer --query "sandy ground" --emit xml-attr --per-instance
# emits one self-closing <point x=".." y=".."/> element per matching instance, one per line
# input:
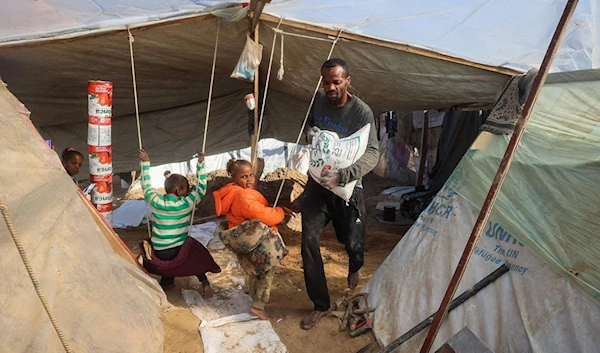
<point x="289" y="300"/>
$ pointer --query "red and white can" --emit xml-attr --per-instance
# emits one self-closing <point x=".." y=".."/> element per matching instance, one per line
<point x="100" y="98"/>
<point x="100" y="158"/>
<point x="105" y="211"/>
<point x="99" y="131"/>
<point x="102" y="193"/>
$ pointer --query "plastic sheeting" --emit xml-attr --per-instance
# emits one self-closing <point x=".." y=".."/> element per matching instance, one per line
<point x="276" y="154"/>
<point x="510" y="33"/>
<point x="101" y="301"/>
<point x="550" y="199"/>
<point x="544" y="226"/>
<point x="531" y="308"/>
<point x="50" y="18"/>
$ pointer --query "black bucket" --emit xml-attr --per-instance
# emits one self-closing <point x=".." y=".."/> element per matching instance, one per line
<point x="389" y="213"/>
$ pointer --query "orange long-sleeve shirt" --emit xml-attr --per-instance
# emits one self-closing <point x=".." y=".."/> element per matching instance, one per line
<point x="240" y="205"/>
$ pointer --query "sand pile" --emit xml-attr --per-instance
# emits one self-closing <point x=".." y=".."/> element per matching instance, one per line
<point x="215" y="180"/>
<point x="293" y="189"/>
<point x="135" y="191"/>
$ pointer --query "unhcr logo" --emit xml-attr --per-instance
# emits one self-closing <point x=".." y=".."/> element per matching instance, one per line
<point x="494" y="230"/>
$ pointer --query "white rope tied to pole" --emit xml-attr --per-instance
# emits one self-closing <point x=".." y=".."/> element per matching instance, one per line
<point x="137" y="116"/>
<point x="210" y="90"/>
<point x="135" y="96"/>
<point x="281" y="71"/>
<point x="36" y="284"/>
<point x="264" y="101"/>
<point x="305" y="119"/>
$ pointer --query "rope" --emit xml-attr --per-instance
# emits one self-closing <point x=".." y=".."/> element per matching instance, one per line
<point x="305" y="119"/>
<point x="210" y="90"/>
<point x="135" y="96"/>
<point x="264" y="101"/>
<point x="137" y="115"/>
<point x="36" y="284"/>
<point x="281" y="71"/>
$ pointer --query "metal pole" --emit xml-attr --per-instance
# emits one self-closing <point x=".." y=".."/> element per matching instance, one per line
<point x="500" y="175"/>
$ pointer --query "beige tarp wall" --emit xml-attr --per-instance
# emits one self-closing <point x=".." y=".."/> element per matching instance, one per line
<point x="102" y="302"/>
<point x="173" y="64"/>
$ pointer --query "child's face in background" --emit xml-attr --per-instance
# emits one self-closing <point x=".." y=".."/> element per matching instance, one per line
<point x="244" y="177"/>
<point x="73" y="164"/>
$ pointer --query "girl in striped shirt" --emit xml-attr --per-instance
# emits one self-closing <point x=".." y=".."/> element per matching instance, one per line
<point x="171" y="214"/>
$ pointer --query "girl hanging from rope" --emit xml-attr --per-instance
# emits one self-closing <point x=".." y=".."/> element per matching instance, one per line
<point x="171" y="216"/>
<point x="241" y="202"/>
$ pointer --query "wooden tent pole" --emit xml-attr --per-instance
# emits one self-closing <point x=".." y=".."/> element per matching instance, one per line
<point x="254" y="141"/>
<point x="500" y="175"/>
<point x="423" y="152"/>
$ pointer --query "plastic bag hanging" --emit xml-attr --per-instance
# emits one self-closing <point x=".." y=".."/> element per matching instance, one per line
<point x="249" y="61"/>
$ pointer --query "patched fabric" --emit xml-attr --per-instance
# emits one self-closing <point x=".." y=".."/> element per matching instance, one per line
<point x="259" y="248"/>
<point x="507" y="111"/>
<point x="245" y="237"/>
<point x="265" y="256"/>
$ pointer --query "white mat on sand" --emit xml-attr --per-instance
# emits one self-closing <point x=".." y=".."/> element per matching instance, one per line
<point x="244" y="336"/>
<point x="226" y="325"/>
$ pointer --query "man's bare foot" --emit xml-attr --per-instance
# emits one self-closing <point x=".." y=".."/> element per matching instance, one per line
<point x="311" y="320"/>
<point x="206" y="290"/>
<point x="353" y="279"/>
<point x="260" y="313"/>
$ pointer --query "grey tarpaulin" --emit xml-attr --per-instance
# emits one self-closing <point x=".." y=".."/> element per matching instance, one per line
<point x="173" y="65"/>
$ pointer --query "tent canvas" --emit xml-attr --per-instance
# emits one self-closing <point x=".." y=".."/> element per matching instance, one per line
<point x="173" y="65"/>
<point x="513" y="33"/>
<point x="102" y="302"/>
<point x="399" y="61"/>
<point x="543" y="226"/>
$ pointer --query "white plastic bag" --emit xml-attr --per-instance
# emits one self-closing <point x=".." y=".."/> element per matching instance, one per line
<point x="249" y="61"/>
<point x="329" y="152"/>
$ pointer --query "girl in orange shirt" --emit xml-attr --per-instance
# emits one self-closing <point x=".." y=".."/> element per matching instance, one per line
<point x="241" y="202"/>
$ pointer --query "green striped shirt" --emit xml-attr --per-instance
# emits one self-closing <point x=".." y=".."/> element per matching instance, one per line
<point x="171" y="214"/>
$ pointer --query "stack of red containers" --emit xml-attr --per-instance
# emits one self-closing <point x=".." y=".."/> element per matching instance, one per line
<point x="99" y="145"/>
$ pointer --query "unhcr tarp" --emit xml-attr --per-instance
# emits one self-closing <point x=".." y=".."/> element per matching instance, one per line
<point x="550" y="199"/>
<point x="544" y="226"/>
<point x="102" y="302"/>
